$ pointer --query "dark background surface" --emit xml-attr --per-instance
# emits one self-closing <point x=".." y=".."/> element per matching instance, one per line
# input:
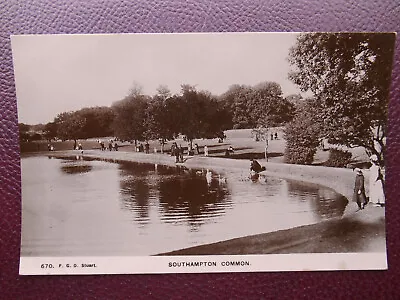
<point x="114" y="16"/>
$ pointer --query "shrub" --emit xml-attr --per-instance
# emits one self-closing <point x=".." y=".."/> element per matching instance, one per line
<point x="338" y="158"/>
<point x="302" y="136"/>
<point x="299" y="155"/>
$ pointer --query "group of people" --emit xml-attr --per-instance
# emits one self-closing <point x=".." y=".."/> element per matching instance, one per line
<point x="78" y="146"/>
<point x="145" y="148"/>
<point x="112" y="145"/>
<point x="177" y="152"/>
<point x="376" y="186"/>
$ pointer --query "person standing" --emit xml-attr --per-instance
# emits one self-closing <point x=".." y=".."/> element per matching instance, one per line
<point x="359" y="189"/>
<point x="147" y="147"/>
<point x="176" y="153"/>
<point x="376" y="193"/>
<point x="205" y="150"/>
<point x="180" y="154"/>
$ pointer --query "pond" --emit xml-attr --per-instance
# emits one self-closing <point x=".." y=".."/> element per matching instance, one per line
<point x="76" y="207"/>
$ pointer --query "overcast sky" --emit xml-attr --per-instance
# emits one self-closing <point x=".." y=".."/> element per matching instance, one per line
<point x="57" y="73"/>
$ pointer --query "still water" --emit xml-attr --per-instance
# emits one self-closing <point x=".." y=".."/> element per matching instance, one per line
<point x="75" y="207"/>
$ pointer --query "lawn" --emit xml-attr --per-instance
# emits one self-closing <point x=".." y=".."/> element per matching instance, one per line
<point x="241" y="140"/>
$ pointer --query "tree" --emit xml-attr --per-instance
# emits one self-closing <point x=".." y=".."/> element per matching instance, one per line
<point x="199" y="114"/>
<point x="302" y="134"/>
<point x="70" y="126"/>
<point x="349" y="75"/>
<point x="258" y="106"/>
<point x="130" y="114"/>
<point x="88" y="122"/>
<point x="50" y="130"/>
<point x="159" y="118"/>
<point x="23" y="132"/>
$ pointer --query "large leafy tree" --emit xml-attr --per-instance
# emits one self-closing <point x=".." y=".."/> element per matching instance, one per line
<point x="70" y="126"/>
<point x="261" y="105"/>
<point x="130" y="115"/>
<point x="349" y="75"/>
<point x="200" y="115"/>
<point x="86" y="123"/>
<point x="160" y="116"/>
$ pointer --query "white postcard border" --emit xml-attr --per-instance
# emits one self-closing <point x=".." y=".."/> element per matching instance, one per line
<point x="201" y="264"/>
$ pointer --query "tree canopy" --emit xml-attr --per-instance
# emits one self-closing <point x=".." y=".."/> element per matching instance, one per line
<point x="349" y="75"/>
<point x="259" y="105"/>
<point x="81" y="124"/>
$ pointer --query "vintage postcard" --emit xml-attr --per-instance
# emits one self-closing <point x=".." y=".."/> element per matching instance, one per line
<point x="202" y="152"/>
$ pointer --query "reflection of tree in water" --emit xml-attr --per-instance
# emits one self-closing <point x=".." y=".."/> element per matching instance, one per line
<point x="135" y="189"/>
<point x="184" y="194"/>
<point x="76" y="168"/>
<point x="191" y="198"/>
<point x="326" y="203"/>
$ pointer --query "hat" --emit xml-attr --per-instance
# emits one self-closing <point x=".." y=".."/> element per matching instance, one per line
<point x="373" y="157"/>
<point x="358" y="170"/>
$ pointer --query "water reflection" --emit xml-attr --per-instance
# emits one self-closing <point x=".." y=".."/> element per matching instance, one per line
<point x="199" y="198"/>
<point x="143" y="209"/>
<point x="76" y="167"/>
<point x="326" y="203"/>
<point x="181" y="195"/>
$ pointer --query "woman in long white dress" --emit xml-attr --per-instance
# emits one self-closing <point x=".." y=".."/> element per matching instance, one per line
<point x="376" y="193"/>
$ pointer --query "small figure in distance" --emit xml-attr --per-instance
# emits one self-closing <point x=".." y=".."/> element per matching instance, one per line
<point x="359" y="189"/>
<point x="205" y="150"/>
<point x="180" y="154"/>
<point x="229" y="151"/>
<point x="276" y="135"/>
<point x="196" y="149"/>
<point x="147" y="147"/>
<point x="255" y="166"/>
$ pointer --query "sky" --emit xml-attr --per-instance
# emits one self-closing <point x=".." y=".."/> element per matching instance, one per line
<point x="57" y="73"/>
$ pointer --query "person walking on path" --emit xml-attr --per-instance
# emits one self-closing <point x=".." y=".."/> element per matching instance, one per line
<point x="205" y="150"/>
<point x="359" y="189"/>
<point x="376" y="193"/>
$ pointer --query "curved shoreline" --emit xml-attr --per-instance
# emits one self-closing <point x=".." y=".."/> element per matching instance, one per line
<point x="325" y="236"/>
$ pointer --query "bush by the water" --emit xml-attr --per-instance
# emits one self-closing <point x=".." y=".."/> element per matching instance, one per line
<point x="299" y="155"/>
<point x="302" y="136"/>
<point x="338" y="158"/>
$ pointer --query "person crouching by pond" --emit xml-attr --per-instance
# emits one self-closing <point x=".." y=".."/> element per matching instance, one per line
<point x="255" y="166"/>
<point x="229" y="151"/>
<point x="376" y="193"/>
<point x="359" y="189"/>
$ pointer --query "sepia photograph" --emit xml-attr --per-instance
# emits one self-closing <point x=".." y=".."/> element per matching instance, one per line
<point x="202" y="152"/>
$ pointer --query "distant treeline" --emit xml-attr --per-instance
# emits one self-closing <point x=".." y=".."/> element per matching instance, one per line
<point x="192" y="113"/>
